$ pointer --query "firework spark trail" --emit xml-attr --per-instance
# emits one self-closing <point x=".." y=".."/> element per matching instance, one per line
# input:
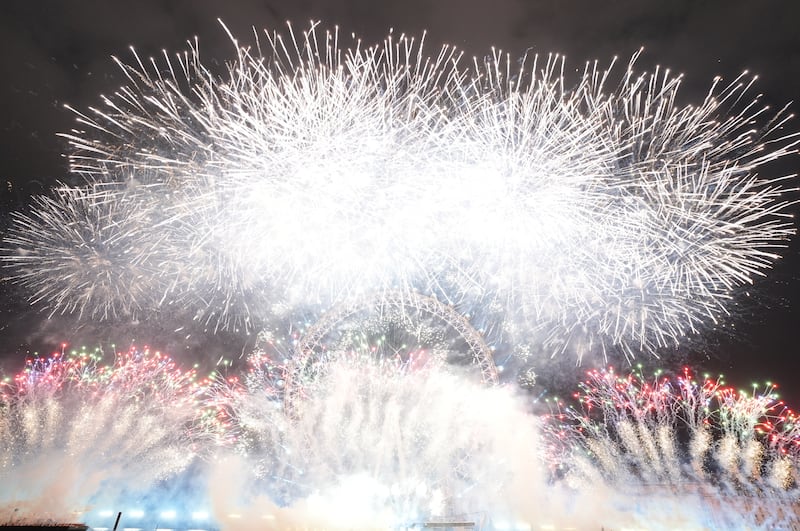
<point x="598" y="219"/>
<point x="403" y="442"/>
<point x="136" y="420"/>
<point x="670" y="431"/>
<point x="685" y="452"/>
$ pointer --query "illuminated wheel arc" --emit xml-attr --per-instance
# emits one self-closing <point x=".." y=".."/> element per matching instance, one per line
<point x="311" y="340"/>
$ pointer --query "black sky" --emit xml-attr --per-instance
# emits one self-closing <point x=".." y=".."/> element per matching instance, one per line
<point x="58" y="52"/>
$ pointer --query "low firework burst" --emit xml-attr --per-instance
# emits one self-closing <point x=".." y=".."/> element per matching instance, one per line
<point x="102" y="427"/>
<point x="629" y="432"/>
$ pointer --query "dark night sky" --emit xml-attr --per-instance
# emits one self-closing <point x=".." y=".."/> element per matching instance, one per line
<point x="58" y="52"/>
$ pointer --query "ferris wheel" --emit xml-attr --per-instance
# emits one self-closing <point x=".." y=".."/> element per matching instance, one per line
<point x="413" y="307"/>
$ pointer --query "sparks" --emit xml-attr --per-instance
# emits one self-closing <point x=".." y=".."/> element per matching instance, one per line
<point x="587" y="218"/>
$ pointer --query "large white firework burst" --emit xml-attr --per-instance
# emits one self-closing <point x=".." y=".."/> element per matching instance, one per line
<point x="591" y="218"/>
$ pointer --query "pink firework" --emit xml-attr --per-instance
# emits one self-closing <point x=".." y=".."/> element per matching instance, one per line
<point x="123" y="425"/>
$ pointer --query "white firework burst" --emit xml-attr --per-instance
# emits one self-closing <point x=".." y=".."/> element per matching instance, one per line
<point x="314" y="172"/>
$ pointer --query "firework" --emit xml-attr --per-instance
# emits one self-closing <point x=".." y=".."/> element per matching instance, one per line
<point x="314" y="172"/>
<point x="93" y="252"/>
<point x="380" y="441"/>
<point x="663" y="434"/>
<point x="102" y="428"/>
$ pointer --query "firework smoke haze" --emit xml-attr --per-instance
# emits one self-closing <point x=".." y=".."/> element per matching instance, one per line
<point x="597" y="219"/>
